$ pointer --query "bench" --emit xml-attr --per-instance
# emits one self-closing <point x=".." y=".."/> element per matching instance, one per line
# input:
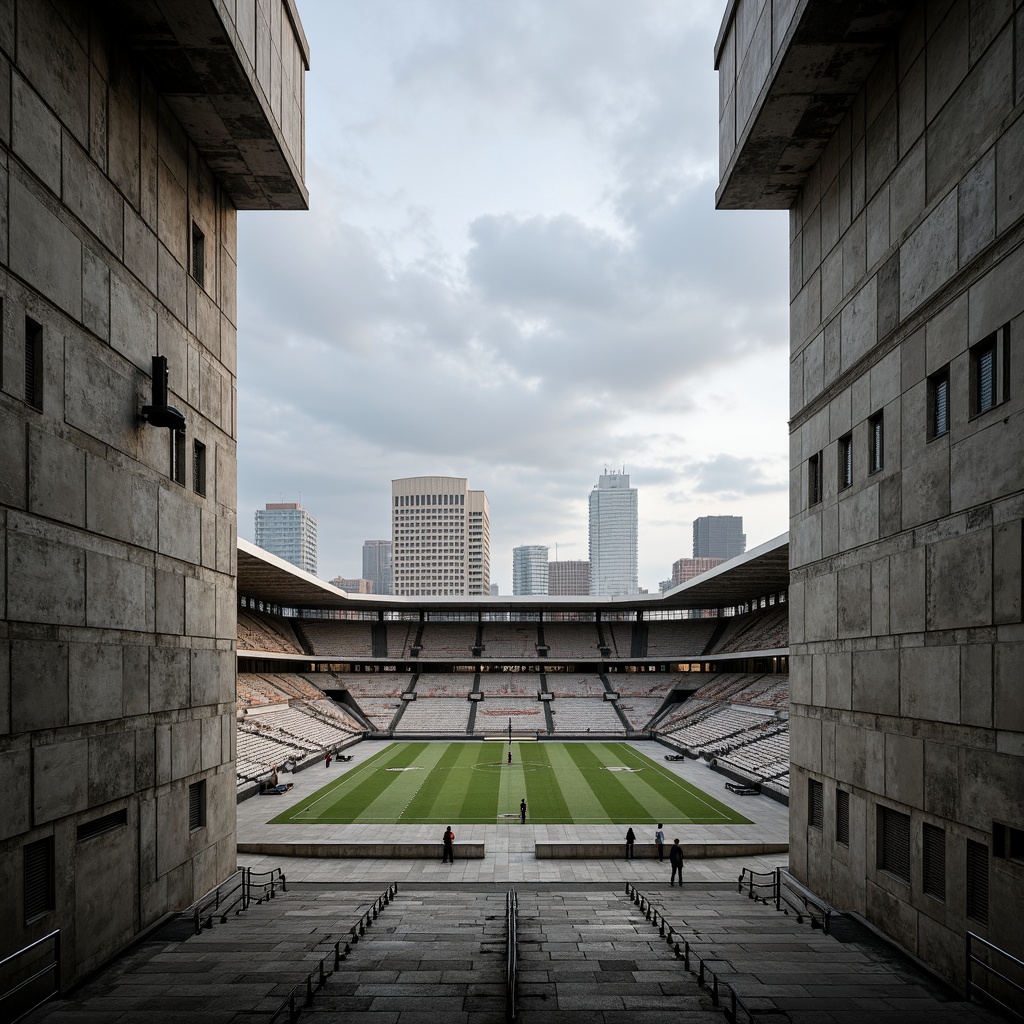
<point x="369" y="851"/>
<point x="742" y="789"/>
<point x="647" y="851"/>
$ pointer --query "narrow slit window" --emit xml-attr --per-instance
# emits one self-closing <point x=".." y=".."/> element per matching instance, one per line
<point x="177" y="452"/>
<point x="38" y="892"/>
<point x="894" y="843"/>
<point x="815" y="804"/>
<point x="814" y="479"/>
<point x="33" y="363"/>
<point x="845" y="462"/>
<point x="199" y="468"/>
<point x="197" y="805"/>
<point x="977" y="882"/>
<point x="842" y="817"/>
<point x="990" y="371"/>
<point x="198" y="255"/>
<point x="876" y="439"/>
<point x="933" y="861"/>
<point x="938" y="403"/>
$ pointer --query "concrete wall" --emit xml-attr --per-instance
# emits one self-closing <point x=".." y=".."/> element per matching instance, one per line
<point x="117" y="594"/>
<point x="907" y="642"/>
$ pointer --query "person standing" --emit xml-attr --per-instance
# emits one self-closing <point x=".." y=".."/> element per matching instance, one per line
<point x="448" y="846"/>
<point x="659" y="842"/>
<point x="675" y="858"/>
<point x="522" y="811"/>
<point x="630" y="840"/>
<point x="327" y="760"/>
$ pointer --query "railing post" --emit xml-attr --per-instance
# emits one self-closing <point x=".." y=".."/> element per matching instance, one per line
<point x="777" y="883"/>
<point x="967" y="971"/>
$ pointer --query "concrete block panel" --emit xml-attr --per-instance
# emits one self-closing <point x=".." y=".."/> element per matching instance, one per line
<point x="813" y="369"/>
<point x="227" y="610"/>
<point x="996" y="299"/>
<point x="800" y="677"/>
<point x="925" y="478"/>
<point x="839" y="681"/>
<point x="882" y="146"/>
<point x="171" y="283"/>
<point x="132" y="322"/>
<point x="5" y="676"/>
<point x="912" y="115"/>
<point x="45" y="579"/>
<point x="123" y="119"/>
<point x="90" y="196"/>
<point x="1007" y="544"/>
<point x="60" y="774"/>
<point x="907" y="591"/>
<point x="43" y="251"/>
<point x="987" y="464"/>
<point x="186" y="748"/>
<point x="162" y="754"/>
<point x="930" y="683"/>
<point x="907" y="191"/>
<point x="976" y="210"/>
<point x="819" y="680"/>
<point x="947" y="57"/>
<point x="208" y="538"/>
<point x="990" y="788"/>
<point x="17" y="808"/>
<point x="876" y="686"/>
<point x="135" y="680"/>
<point x="145" y="759"/>
<point x="805" y="743"/>
<point x="946" y="334"/>
<point x="173" y="226"/>
<point x="98" y="117"/>
<point x="941" y="780"/>
<point x="35" y="133"/>
<point x="854" y="252"/>
<point x="200" y="607"/>
<point x="95" y="294"/>
<point x="39" y="685"/>
<point x="104" y="397"/>
<point x="904" y="769"/>
<point x="171" y="829"/>
<point x="877" y="236"/>
<point x="1008" y="702"/>
<point x="226" y="544"/>
<point x="213" y="677"/>
<point x="892" y="911"/>
<point x="971" y="116"/>
<point x="855" y="601"/>
<point x="829" y="519"/>
<point x="178" y="526"/>
<point x="831" y="297"/>
<point x="959" y="581"/>
<point x="888" y="288"/>
<point x="874" y="761"/>
<point x="95" y="683"/>
<point x="56" y="477"/>
<point x="119" y="593"/>
<point x="111" y="766"/>
<point x="929" y="255"/>
<point x="13" y="461"/>
<point x="170" y="603"/>
<point x="211" y="748"/>
<point x="140" y="249"/>
<point x="796" y="613"/>
<point x="1009" y="160"/>
<point x="859" y="519"/>
<point x="885" y="381"/>
<point x="859" y="325"/>
<point x="805" y="311"/>
<point x="820" y="612"/>
<point x="850" y="755"/>
<point x="880" y="597"/>
<point x="120" y="504"/>
<point x="168" y="678"/>
<point x="976" y="685"/>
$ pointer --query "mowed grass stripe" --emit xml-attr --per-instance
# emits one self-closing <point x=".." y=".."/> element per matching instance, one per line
<point x="393" y="803"/>
<point x="545" y="801"/>
<point x="618" y="802"/>
<point x="583" y="804"/>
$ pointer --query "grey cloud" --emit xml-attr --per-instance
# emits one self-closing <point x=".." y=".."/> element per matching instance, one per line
<point x="731" y="476"/>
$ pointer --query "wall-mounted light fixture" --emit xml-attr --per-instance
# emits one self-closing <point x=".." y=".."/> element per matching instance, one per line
<point x="160" y="414"/>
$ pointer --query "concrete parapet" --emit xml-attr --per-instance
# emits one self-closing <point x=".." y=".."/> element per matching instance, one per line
<point x="368" y="851"/>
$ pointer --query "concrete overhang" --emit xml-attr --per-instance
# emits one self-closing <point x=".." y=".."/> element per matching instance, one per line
<point x="191" y="52"/>
<point x="825" y="58"/>
<point x="762" y="571"/>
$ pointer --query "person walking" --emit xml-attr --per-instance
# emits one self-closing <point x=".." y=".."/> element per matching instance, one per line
<point x="630" y="840"/>
<point x="327" y="760"/>
<point x="675" y="858"/>
<point x="659" y="842"/>
<point x="522" y="811"/>
<point x="448" y="846"/>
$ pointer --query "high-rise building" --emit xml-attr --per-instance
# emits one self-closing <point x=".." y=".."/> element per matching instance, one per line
<point x="288" y="531"/>
<point x="351" y="586"/>
<point x="441" y="538"/>
<point x="530" y="569"/>
<point x="377" y="564"/>
<point x="613" y="532"/>
<point x="718" y="537"/>
<point x="570" y="578"/>
<point x="687" y="568"/>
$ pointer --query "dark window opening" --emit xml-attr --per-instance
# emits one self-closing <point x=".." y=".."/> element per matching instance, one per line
<point x="198" y="255"/>
<point x="814" y="479"/>
<point x="38" y="879"/>
<point x="842" y="817"/>
<point x="199" y="468"/>
<point x="876" y="457"/>
<point x="990" y="371"/>
<point x="894" y="843"/>
<point x="1008" y="842"/>
<point x="33" y="363"/>
<point x="977" y="882"/>
<point x="106" y="823"/>
<point x="845" y="461"/>
<point x="933" y="861"/>
<point x="815" y="805"/>
<point x="197" y="805"/>
<point x="938" y="403"/>
<point x="177" y="456"/>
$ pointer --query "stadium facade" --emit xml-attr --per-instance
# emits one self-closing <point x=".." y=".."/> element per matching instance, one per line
<point x="530" y="569"/>
<point x="441" y="538"/>
<point x="138" y="132"/>
<point x="614" y="522"/>
<point x="892" y="134"/>
<point x="287" y="530"/>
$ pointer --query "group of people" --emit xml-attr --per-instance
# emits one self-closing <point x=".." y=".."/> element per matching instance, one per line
<point x="675" y="853"/>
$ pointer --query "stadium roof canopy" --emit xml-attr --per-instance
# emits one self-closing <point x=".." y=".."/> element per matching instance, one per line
<point x="762" y="571"/>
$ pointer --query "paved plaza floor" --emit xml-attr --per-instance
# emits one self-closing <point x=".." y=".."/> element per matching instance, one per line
<point x="510" y="847"/>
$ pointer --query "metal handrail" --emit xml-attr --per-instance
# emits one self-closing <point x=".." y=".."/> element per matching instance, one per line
<point x="753" y="887"/>
<point x="706" y="976"/>
<point x="317" y="978"/>
<point x="268" y="889"/>
<point x="511" y="953"/>
<point x="53" y="966"/>
<point x="973" y="986"/>
<point x="810" y="901"/>
<point x="216" y="901"/>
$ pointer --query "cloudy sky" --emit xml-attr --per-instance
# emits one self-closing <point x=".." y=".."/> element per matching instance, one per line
<point x="512" y="270"/>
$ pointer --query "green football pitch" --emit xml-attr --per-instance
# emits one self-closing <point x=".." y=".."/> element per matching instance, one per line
<point x="472" y="784"/>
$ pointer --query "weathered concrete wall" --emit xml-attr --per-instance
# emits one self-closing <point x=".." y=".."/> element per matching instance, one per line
<point x="907" y="642"/>
<point x="117" y="595"/>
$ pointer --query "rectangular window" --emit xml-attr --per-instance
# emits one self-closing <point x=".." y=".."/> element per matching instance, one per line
<point x="977" y="882"/>
<point x="938" y="403"/>
<point x="1008" y="842"/>
<point x="814" y="479"/>
<point x="845" y="461"/>
<point x="177" y="456"/>
<point x="199" y="468"/>
<point x="894" y="843"/>
<point x="198" y="255"/>
<point x="933" y="861"/>
<point x="876" y="457"/>
<point x="197" y="805"/>
<point x="38" y="879"/>
<point x="990" y="371"/>
<point x="815" y="805"/>
<point x="33" y="363"/>
<point x="106" y="823"/>
<point x="842" y="817"/>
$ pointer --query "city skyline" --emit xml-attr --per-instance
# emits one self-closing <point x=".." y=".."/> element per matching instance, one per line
<point x="517" y="323"/>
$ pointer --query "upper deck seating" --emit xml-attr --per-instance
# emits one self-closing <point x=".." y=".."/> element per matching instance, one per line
<point x="509" y="640"/>
<point x="436" y="715"/>
<point x="510" y="684"/>
<point x="571" y="640"/>
<point x="258" y="632"/>
<point x="574" y="684"/>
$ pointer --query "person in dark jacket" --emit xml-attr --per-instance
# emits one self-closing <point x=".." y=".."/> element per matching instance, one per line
<point x="675" y="858"/>
<point x="448" y="846"/>
<point x="630" y="840"/>
<point x="659" y="842"/>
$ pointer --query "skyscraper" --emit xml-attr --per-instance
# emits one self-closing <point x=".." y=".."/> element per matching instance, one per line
<point x="288" y="531"/>
<point x="613" y="532"/>
<point x="441" y="538"/>
<point x="569" y="578"/>
<point x="718" y="537"/>
<point x="377" y="564"/>
<point x="530" y="569"/>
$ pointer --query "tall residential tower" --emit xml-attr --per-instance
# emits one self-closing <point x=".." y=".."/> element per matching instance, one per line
<point x="613" y="532"/>
<point x="530" y="570"/>
<point x="377" y="564"/>
<point x="288" y="531"/>
<point x="718" y="537"/>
